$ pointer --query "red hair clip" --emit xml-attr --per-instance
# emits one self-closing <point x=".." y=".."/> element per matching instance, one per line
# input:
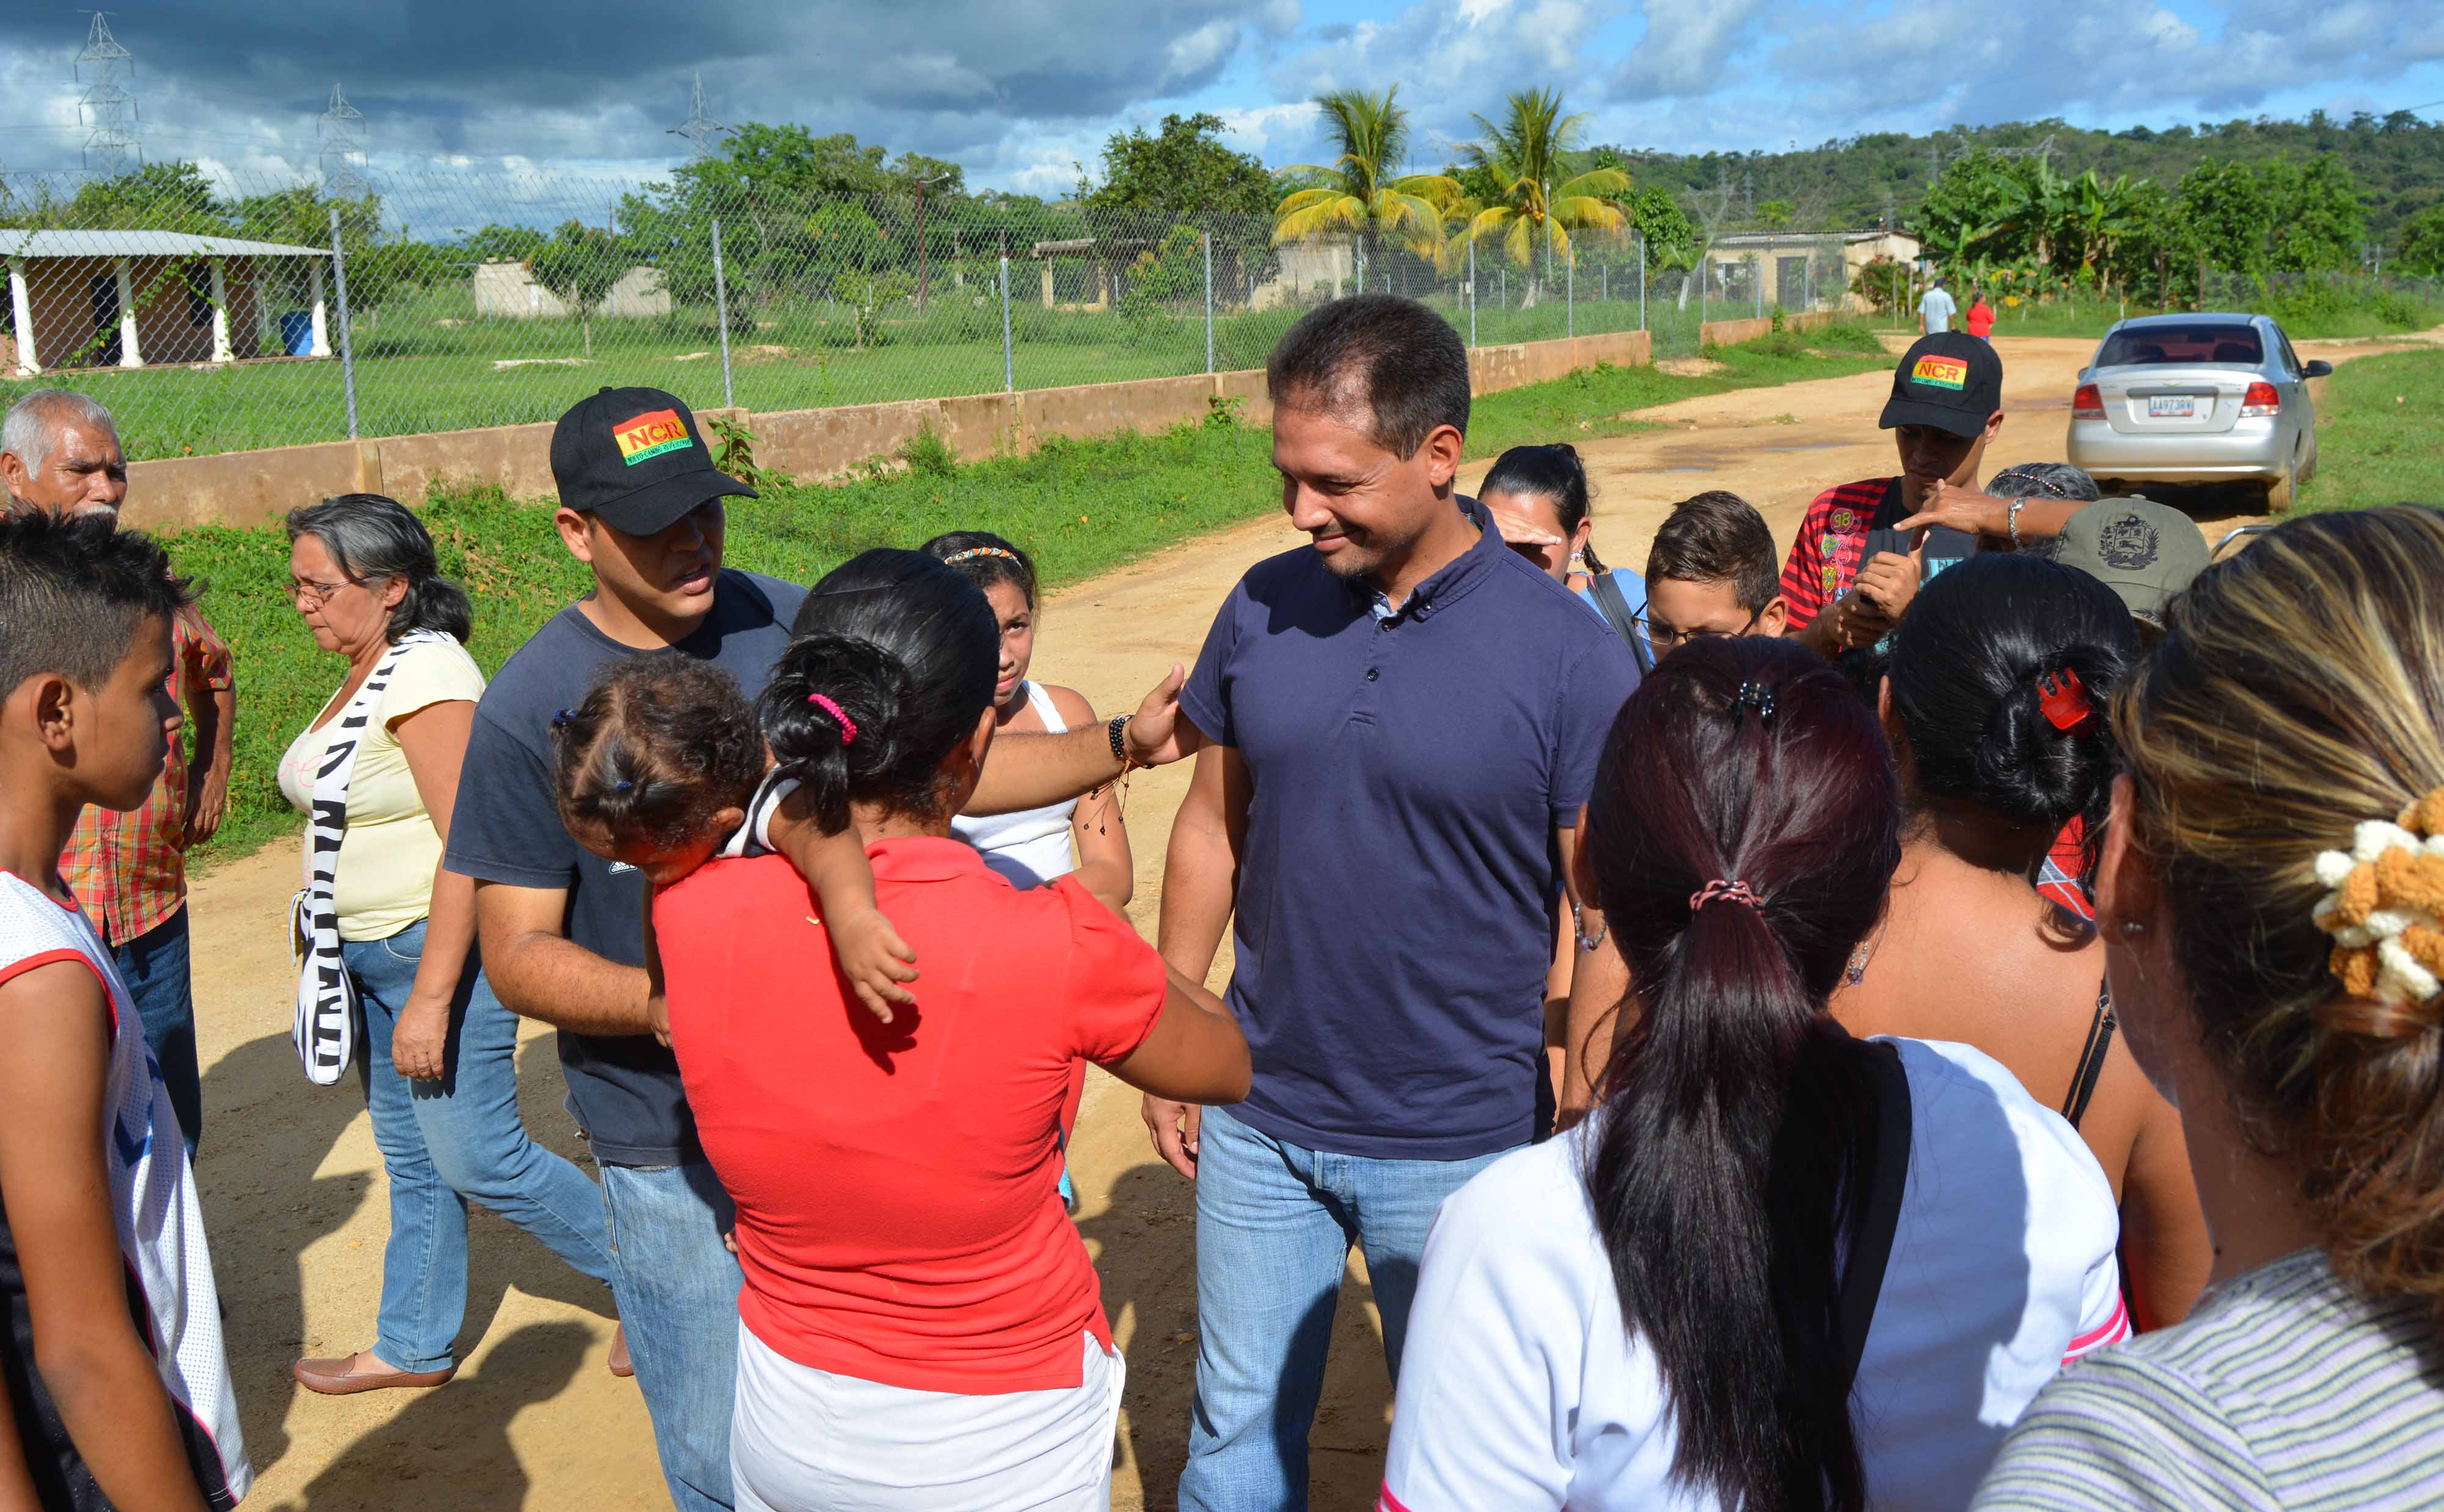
<point x="2065" y="700"/>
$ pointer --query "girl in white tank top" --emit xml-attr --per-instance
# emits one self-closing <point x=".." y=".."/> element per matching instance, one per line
<point x="1083" y="835"/>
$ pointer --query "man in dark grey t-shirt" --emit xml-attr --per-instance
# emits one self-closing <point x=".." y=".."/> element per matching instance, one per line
<point x="561" y="929"/>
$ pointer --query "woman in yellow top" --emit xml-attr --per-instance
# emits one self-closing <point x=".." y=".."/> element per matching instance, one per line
<point x="377" y="772"/>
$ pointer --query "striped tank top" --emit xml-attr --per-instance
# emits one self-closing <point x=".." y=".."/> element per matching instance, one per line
<point x="2286" y="1390"/>
<point x="169" y="1273"/>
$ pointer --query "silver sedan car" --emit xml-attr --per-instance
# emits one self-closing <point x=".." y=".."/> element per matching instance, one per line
<point x="2196" y="399"/>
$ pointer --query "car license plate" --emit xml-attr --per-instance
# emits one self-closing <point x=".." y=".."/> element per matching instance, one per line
<point x="2172" y="407"/>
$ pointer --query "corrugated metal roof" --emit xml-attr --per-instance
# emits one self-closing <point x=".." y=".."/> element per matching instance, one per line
<point x="142" y="244"/>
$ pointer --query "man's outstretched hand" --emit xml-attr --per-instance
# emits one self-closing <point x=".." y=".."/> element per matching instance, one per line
<point x="1156" y="735"/>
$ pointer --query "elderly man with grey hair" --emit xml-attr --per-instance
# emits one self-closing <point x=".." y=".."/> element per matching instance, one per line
<point x="60" y="453"/>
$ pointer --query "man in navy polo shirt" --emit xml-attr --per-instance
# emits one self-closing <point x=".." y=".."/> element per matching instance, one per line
<point x="1402" y="723"/>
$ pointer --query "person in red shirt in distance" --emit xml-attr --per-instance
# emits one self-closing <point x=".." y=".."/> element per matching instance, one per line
<point x="921" y="1326"/>
<point x="1980" y="320"/>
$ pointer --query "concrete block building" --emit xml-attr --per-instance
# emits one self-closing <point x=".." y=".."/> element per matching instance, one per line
<point x="134" y="298"/>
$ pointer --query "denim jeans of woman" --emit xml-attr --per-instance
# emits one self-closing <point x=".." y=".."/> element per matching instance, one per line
<point x="450" y="1142"/>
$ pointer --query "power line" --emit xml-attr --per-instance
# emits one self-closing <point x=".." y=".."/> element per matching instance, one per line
<point x="106" y="107"/>
<point x="700" y="130"/>
<point x="341" y="132"/>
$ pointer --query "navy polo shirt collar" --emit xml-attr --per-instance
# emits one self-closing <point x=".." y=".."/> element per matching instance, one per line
<point x="1447" y="584"/>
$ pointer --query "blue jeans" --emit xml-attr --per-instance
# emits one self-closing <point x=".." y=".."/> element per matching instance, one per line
<point x="678" y="1289"/>
<point x="1274" y="1223"/>
<point x="154" y="966"/>
<point x="446" y="1143"/>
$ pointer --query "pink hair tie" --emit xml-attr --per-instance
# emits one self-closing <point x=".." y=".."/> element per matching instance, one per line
<point x="848" y="726"/>
<point x="1735" y="892"/>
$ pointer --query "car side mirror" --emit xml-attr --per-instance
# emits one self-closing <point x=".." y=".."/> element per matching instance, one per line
<point x="2318" y="369"/>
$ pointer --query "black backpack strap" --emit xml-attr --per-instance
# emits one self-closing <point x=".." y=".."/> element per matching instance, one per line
<point x="1874" y="1221"/>
<point x="1617" y="612"/>
<point x="2091" y="1056"/>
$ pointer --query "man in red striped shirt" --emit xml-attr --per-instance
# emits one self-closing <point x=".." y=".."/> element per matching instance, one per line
<point x="1945" y="408"/>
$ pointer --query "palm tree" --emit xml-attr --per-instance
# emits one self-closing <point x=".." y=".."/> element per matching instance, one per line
<point x="1524" y="156"/>
<point x="1360" y="190"/>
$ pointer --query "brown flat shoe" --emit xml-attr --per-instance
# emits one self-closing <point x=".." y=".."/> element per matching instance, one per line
<point x="620" y="1365"/>
<point x="345" y="1377"/>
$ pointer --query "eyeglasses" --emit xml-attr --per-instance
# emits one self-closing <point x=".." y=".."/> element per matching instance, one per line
<point x="305" y="589"/>
<point x="1664" y="638"/>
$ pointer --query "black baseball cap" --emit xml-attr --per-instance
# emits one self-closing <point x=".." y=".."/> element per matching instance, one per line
<point x="634" y="458"/>
<point x="1952" y="381"/>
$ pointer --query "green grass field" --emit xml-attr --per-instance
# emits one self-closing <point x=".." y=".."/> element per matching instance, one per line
<point x="2381" y="434"/>
<point x="427" y="362"/>
<point x="1079" y="507"/>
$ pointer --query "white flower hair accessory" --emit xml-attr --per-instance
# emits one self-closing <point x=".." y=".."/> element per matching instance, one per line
<point x="2385" y="906"/>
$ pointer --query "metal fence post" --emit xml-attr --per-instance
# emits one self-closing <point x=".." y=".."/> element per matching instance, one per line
<point x="1009" y="372"/>
<point x="721" y="311"/>
<point x="1208" y="238"/>
<point x="1472" y="291"/>
<point x="1642" y="280"/>
<point x="347" y="350"/>
<point x="1570" y="295"/>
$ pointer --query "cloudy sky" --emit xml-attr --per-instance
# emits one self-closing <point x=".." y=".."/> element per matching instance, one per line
<point x="1020" y="91"/>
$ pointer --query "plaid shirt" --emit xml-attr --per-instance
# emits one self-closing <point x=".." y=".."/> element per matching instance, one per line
<point x="1832" y="545"/>
<point x="130" y="869"/>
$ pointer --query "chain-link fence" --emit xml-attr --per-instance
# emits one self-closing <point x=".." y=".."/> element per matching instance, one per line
<point x="223" y="317"/>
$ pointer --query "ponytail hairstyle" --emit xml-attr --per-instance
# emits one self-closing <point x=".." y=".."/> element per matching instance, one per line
<point x="1738" y="1119"/>
<point x="662" y="743"/>
<point x="1555" y="474"/>
<point x="2296" y="701"/>
<point x="373" y="539"/>
<point x="1970" y="670"/>
<point x="892" y="664"/>
<point x="984" y="558"/>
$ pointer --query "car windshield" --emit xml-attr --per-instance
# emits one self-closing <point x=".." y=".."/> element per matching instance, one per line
<point x="2149" y="345"/>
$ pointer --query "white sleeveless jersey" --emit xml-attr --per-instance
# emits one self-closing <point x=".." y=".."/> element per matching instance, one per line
<point x="160" y="1226"/>
<point x="1030" y="847"/>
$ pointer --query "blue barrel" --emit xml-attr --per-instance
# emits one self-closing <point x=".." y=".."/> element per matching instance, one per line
<point x="297" y="333"/>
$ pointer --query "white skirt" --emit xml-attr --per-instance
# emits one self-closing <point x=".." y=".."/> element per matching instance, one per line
<point x="804" y="1439"/>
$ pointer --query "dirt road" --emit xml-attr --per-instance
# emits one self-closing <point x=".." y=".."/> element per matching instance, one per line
<point x="293" y="1188"/>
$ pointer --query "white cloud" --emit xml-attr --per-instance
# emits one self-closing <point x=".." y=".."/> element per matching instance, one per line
<point x="1686" y="46"/>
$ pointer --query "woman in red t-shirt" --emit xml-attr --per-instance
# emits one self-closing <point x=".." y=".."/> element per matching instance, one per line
<point x="1981" y="316"/>
<point x="921" y="1326"/>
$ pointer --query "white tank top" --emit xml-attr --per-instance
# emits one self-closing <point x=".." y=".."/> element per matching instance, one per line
<point x="1030" y="847"/>
<point x="152" y="1199"/>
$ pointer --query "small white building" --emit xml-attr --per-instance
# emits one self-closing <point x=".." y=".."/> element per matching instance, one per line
<point x="1798" y="266"/>
<point x="126" y="298"/>
<point x="507" y="290"/>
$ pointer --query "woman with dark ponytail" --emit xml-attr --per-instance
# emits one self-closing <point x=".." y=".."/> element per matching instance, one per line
<point x="1994" y="701"/>
<point x="1777" y="1267"/>
<point x="921" y="1326"/>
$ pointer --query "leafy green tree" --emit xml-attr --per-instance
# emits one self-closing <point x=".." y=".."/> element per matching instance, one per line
<point x="172" y="196"/>
<point x="2316" y="222"/>
<point x="1181" y="169"/>
<point x="845" y="238"/>
<point x="1525" y="155"/>
<point x="2421" y="250"/>
<point x="380" y="267"/>
<point x="1361" y="189"/>
<point x="2223" y="213"/>
<point x="579" y="266"/>
<point x="502" y="243"/>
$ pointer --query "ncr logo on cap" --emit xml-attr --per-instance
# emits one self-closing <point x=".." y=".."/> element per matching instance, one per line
<point x="651" y="435"/>
<point x="1940" y="371"/>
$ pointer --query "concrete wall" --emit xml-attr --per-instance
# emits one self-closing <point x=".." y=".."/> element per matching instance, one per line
<point x="253" y="488"/>
<point x="1731" y="333"/>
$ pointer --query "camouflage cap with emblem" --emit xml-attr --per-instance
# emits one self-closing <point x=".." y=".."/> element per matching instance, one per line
<point x="2144" y="551"/>
<point x="634" y="459"/>
<point x="1949" y="380"/>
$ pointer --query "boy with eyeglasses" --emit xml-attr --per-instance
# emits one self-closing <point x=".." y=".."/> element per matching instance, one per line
<point x="1711" y="572"/>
